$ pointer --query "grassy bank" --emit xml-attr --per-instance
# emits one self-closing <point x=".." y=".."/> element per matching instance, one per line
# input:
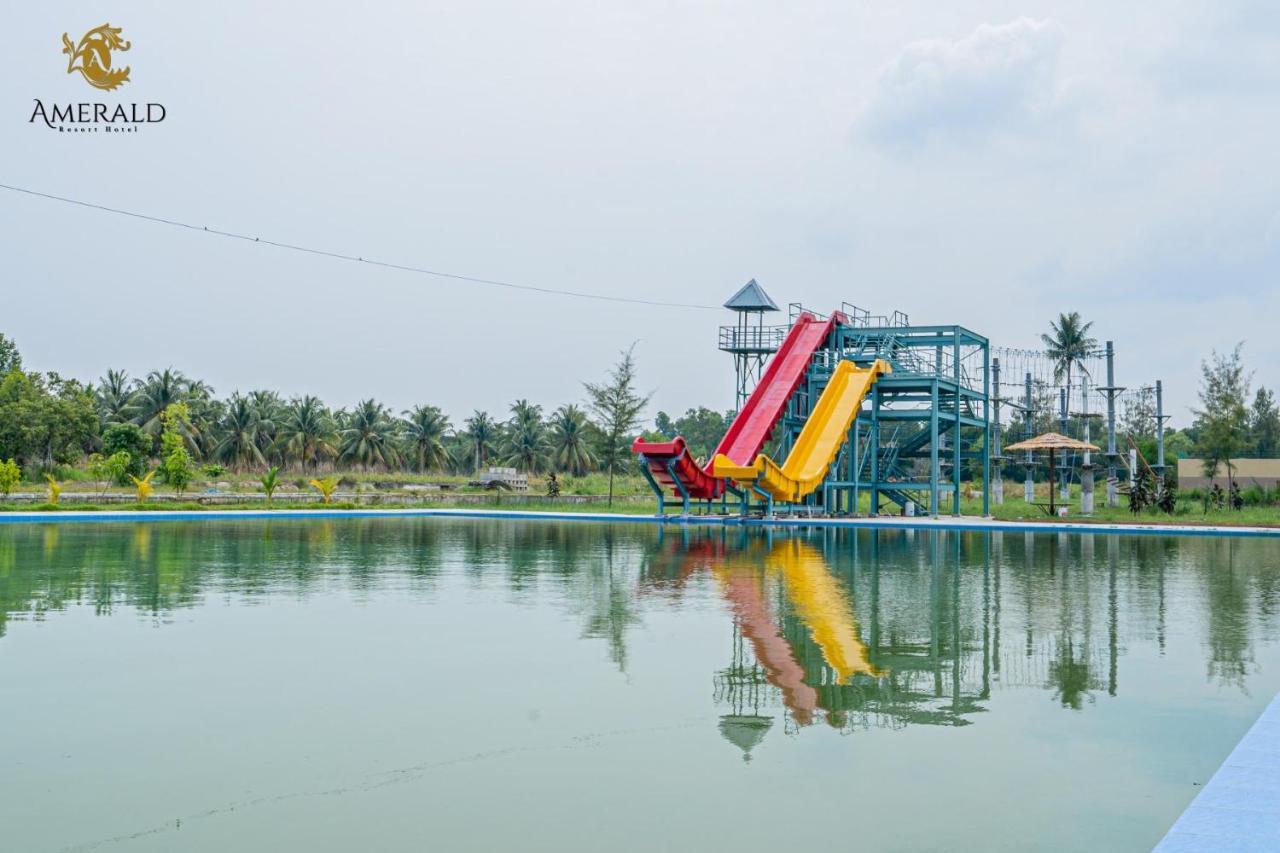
<point x="621" y="507"/>
<point x="1014" y="509"/>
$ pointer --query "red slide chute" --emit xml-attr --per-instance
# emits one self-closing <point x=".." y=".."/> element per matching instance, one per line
<point x="671" y="464"/>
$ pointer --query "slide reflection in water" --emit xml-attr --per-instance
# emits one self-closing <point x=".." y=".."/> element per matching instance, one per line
<point x="743" y="589"/>
<point x="823" y="605"/>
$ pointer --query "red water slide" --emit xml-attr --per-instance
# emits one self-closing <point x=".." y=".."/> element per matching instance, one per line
<point x="670" y="462"/>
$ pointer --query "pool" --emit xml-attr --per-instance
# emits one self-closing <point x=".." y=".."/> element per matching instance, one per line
<point x="418" y="683"/>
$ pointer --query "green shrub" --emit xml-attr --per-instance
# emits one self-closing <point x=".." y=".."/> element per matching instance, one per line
<point x="127" y="438"/>
<point x="10" y="476"/>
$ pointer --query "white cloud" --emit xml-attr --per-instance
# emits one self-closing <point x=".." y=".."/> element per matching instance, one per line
<point x="999" y="78"/>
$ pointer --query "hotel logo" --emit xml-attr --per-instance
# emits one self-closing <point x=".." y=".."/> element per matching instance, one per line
<point x="95" y="57"/>
<point x="91" y="56"/>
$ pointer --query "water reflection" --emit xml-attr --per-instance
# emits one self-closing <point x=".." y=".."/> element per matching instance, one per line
<point x="894" y="628"/>
<point x="851" y="628"/>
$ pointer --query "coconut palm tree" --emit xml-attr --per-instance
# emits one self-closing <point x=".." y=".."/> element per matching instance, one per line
<point x="570" y="444"/>
<point x="152" y="396"/>
<point x="114" y="397"/>
<point x="481" y="433"/>
<point x="267" y="410"/>
<point x="524" y="439"/>
<point x="306" y="432"/>
<point x="161" y="389"/>
<point x="369" y="436"/>
<point x="1068" y="346"/>
<point x="424" y="429"/>
<point x="238" y="445"/>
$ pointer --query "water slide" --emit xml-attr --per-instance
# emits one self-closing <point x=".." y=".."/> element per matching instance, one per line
<point x="671" y="464"/>
<point x="824" y="433"/>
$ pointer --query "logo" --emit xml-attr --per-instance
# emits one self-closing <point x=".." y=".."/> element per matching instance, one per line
<point x="93" y="55"/>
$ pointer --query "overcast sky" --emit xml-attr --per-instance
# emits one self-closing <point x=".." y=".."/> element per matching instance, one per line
<point x="989" y="166"/>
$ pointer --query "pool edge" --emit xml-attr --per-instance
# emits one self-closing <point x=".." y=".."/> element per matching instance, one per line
<point x="1239" y="808"/>
<point x="963" y="523"/>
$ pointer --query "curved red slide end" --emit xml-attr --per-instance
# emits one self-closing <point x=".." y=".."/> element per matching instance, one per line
<point x="671" y="465"/>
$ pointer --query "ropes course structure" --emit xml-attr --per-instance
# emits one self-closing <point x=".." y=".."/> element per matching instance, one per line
<point x="1032" y="387"/>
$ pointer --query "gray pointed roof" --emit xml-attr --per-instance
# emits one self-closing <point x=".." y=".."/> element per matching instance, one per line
<point x="751" y="298"/>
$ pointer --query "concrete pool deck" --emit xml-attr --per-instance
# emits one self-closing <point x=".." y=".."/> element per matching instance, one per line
<point x="1239" y="810"/>
<point x="973" y="523"/>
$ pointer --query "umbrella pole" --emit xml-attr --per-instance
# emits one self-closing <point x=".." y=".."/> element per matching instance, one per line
<point x="1052" y="509"/>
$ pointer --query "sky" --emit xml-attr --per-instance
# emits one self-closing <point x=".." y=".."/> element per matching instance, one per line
<point x="988" y="164"/>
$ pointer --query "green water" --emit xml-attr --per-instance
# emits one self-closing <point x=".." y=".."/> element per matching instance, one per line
<point x="416" y="684"/>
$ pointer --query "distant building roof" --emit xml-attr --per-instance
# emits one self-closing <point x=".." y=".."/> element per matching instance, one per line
<point x="751" y="298"/>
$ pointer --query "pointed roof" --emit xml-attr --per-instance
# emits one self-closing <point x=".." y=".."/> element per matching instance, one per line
<point x="1051" y="441"/>
<point x="751" y="298"/>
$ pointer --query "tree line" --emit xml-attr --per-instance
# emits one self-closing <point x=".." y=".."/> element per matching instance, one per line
<point x="47" y="420"/>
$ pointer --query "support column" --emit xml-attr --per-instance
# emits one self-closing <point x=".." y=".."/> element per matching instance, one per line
<point x="1086" y="469"/>
<point x="934" y="471"/>
<point x="1029" y="486"/>
<point x="997" y="455"/>
<point x="955" y="430"/>
<point x="1160" y="433"/>
<point x="857" y="449"/>
<point x="986" y="436"/>
<point x="874" y="449"/>
<point x="1113" y="480"/>
<point x="1064" y="469"/>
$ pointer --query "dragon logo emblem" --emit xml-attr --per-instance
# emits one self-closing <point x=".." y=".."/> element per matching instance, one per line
<point x="91" y="56"/>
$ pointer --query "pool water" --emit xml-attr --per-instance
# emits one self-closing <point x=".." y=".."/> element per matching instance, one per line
<point x="425" y="684"/>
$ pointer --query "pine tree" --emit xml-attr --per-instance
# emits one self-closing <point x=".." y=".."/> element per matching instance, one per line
<point x="616" y="406"/>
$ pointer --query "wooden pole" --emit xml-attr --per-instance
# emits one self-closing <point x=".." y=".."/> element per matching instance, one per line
<point x="1052" y="509"/>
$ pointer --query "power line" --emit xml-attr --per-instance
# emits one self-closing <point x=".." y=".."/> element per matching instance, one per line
<point x="355" y="258"/>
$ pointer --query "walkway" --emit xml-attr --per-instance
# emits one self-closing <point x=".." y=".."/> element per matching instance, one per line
<point x="1239" y="810"/>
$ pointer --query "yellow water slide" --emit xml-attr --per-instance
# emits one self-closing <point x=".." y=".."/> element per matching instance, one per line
<point x="824" y="433"/>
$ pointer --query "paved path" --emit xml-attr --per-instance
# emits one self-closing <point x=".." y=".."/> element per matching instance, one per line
<point x="1239" y="810"/>
<point x="898" y="522"/>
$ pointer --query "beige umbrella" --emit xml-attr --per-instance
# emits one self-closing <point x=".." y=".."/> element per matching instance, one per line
<point x="1052" y="441"/>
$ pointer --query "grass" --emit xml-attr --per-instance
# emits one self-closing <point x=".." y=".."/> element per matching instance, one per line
<point x="628" y="485"/>
<point x="622" y="506"/>
<point x="634" y="498"/>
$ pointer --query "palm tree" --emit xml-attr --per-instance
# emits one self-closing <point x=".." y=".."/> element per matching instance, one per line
<point x="306" y="431"/>
<point x="267" y="409"/>
<point x="524" y="441"/>
<point x="114" y="398"/>
<point x="570" y="446"/>
<point x="238" y="447"/>
<point x="369" y="437"/>
<point x="480" y="433"/>
<point x="1068" y="346"/>
<point x="424" y="429"/>
<point x="156" y="393"/>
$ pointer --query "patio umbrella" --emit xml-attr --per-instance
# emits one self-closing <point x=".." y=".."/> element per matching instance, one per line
<point x="1052" y="441"/>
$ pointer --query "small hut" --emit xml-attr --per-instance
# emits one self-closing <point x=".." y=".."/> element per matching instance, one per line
<point x="1052" y="442"/>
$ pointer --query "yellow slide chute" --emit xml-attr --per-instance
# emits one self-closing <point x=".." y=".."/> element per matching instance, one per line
<point x="824" y="433"/>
